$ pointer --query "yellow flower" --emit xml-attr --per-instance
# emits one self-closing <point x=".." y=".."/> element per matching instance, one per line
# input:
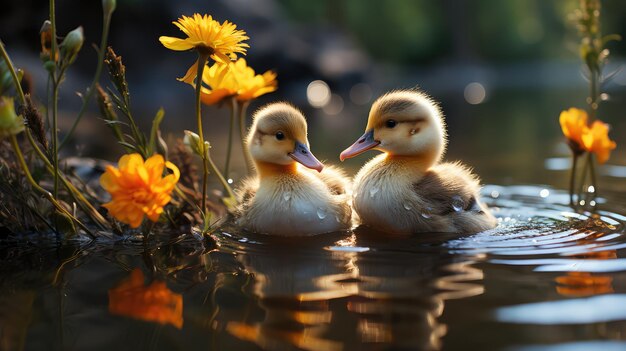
<point x="139" y="188"/>
<point x="10" y="122"/>
<point x="235" y="79"/>
<point x="596" y="140"/>
<point x="222" y="41"/>
<point x="574" y="125"/>
<point x="152" y="303"/>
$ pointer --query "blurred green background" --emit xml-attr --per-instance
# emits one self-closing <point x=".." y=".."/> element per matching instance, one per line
<point x="502" y="70"/>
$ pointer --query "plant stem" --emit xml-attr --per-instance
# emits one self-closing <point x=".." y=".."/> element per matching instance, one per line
<point x="92" y="88"/>
<point x="16" y="79"/>
<point x="55" y="138"/>
<point x="231" y="130"/>
<point x="202" y="59"/>
<point x="55" y="97"/>
<point x="221" y="178"/>
<point x="572" y="179"/>
<point x="73" y="191"/>
<point x="583" y="177"/>
<point x="243" y="107"/>
<point x="33" y="183"/>
<point x="592" y="173"/>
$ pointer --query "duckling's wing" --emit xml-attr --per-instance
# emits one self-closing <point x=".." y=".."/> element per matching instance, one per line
<point x="335" y="179"/>
<point x="246" y="191"/>
<point x="449" y="187"/>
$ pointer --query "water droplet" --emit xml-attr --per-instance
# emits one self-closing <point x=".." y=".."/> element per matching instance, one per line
<point x="427" y="214"/>
<point x="544" y="193"/>
<point x="321" y="213"/>
<point x="287" y="196"/>
<point x="373" y="191"/>
<point x="582" y="202"/>
<point x="457" y="203"/>
<point x="495" y="194"/>
<point x="591" y="189"/>
<point x="407" y="207"/>
<point x="592" y="203"/>
<point x="230" y="181"/>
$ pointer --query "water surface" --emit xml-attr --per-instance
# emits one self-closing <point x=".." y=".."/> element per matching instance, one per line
<point x="547" y="278"/>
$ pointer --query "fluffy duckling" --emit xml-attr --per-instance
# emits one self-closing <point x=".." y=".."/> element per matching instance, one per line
<point x="285" y="198"/>
<point x="406" y="189"/>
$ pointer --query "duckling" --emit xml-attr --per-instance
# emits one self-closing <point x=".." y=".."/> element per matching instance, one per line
<point x="285" y="198"/>
<point x="406" y="189"/>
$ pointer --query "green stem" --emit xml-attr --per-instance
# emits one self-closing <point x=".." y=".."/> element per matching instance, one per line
<point x="92" y="88"/>
<point x="77" y="196"/>
<point x="572" y="180"/>
<point x="33" y="183"/>
<point x="583" y="178"/>
<point x="55" y="138"/>
<point x="243" y="107"/>
<point x="221" y="178"/>
<point x="16" y="79"/>
<point x="593" y="95"/>
<point x="231" y="130"/>
<point x="592" y="173"/>
<point x="53" y="29"/>
<point x="202" y="59"/>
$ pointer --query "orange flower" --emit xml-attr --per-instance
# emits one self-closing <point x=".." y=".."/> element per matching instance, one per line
<point x="222" y="41"/>
<point x="574" y="125"/>
<point x="152" y="303"/>
<point x="235" y="79"/>
<point x="139" y="188"/>
<point x="596" y="140"/>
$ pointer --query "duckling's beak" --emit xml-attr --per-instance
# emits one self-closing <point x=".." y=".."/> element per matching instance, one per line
<point x="365" y="142"/>
<point x="303" y="155"/>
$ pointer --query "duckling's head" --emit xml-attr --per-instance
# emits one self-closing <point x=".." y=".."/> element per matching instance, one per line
<point x="403" y="123"/>
<point x="278" y="136"/>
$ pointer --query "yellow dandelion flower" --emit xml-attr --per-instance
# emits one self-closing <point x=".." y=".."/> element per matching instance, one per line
<point x="574" y="125"/>
<point x="596" y="140"/>
<point x="138" y="188"/>
<point x="151" y="303"/>
<point x="221" y="41"/>
<point x="235" y="79"/>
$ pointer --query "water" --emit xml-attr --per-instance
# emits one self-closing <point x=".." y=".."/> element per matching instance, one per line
<point x="546" y="278"/>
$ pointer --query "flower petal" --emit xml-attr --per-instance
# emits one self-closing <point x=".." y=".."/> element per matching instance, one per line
<point x="176" y="44"/>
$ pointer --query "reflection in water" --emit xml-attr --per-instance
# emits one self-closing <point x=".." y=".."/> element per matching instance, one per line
<point x="307" y="296"/>
<point x="152" y="303"/>
<point x="602" y="308"/>
<point x="16" y="310"/>
<point x="545" y="277"/>
<point x="581" y="283"/>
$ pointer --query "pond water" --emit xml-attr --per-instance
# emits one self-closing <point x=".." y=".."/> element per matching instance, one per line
<point x="546" y="278"/>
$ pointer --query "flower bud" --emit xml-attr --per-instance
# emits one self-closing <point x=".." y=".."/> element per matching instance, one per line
<point x="45" y="34"/>
<point x="71" y="45"/>
<point x="108" y="6"/>
<point x="192" y="141"/>
<point x="10" y="122"/>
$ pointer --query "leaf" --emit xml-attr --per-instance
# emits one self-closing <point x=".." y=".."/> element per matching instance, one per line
<point x="156" y="123"/>
<point x="128" y="145"/>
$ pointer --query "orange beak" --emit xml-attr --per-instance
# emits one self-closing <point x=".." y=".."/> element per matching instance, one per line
<point x="303" y="155"/>
<point x="365" y="142"/>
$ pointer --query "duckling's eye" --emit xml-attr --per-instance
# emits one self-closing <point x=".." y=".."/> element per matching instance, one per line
<point x="280" y="135"/>
<point x="391" y="123"/>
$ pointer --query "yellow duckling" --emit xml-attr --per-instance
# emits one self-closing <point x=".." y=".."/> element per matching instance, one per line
<point x="406" y="189"/>
<point x="284" y="198"/>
